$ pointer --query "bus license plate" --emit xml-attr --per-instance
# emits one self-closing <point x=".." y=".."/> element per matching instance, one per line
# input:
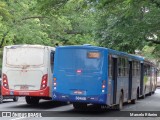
<point x="24" y="87"/>
<point x="79" y="92"/>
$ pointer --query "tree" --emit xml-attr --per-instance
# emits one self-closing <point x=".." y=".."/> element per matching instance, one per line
<point x="24" y="26"/>
<point x="123" y="25"/>
<point x="74" y="21"/>
<point x="128" y="25"/>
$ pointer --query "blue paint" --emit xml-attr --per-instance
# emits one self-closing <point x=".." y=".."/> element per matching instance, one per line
<point x="75" y="71"/>
<point x="97" y="99"/>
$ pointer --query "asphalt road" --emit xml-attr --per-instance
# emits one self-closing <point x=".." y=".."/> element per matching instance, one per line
<point x="63" y="111"/>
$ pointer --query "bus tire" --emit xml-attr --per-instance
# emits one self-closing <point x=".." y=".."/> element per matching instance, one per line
<point x="15" y="99"/>
<point x="28" y="99"/>
<point x="32" y="100"/>
<point x="120" y="105"/>
<point x="144" y="95"/>
<point x="1" y="99"/>
<point x="35" y="100"/>
<point x="79" y="106"/>
<point x="133" y="101"/>
<point x="150" y="93"/>
<point x="137" y="94"/>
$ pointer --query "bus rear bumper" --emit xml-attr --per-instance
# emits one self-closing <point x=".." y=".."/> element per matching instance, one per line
<point x="37" y="93"/>
<point x="92" y="99"/>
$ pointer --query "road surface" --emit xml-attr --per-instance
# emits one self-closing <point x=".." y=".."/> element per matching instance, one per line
<point x="63" y="111"/>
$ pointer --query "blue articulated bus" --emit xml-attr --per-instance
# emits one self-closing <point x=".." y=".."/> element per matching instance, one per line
<point x="149" y="78"/>
<point x="96" y="75"/>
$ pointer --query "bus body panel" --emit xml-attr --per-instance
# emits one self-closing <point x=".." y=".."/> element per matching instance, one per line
<point x="35" y="93"/>
<point x="79" y="77"/>
<point x="25" y="66"/>
<point x="123" y="81"/>
<point x="153" y="81"/>
<point x="122" y="85"/>
<point x="109" y="91"/>
<point x="150" y="81"/>
<point x="24" y="80"/>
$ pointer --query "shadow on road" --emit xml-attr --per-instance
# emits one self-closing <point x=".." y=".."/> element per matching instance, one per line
<point x="90" y="111"/>
<point x="8" y="101"/>
<point x="41" y="105"/>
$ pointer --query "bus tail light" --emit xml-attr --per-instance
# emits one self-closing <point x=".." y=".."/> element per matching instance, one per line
<point x="54" y="79"/>
<point x="44" y="81"/>
<point x="5" y="81"/>
<point x="54" y="83"/>
<point x="103" y="84"/>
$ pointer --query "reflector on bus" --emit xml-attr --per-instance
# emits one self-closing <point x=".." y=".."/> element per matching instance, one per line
<point x="79" y="71"/>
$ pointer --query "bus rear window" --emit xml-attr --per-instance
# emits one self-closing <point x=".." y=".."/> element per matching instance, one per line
<point x="25" y="56"/>
<point x="93" y="55"/>
<point x="79" y="59"/>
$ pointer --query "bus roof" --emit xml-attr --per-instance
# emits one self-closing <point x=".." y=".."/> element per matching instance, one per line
<point x="115" y="52"/>
<point x="28" y="45"/>
<point x="81" y="46"/>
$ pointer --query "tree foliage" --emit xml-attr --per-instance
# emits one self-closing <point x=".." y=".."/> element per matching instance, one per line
<point x="128" y="25"/>
<point x="124" y="25"/>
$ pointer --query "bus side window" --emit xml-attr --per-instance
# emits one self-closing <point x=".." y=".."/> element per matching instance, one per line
<point x="119" y="66"/>
<point x="145" y="70"/>
<point x="52" y="60"/>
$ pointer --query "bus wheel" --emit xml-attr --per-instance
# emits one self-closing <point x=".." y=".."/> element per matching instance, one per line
<point x="35" y="100"/>
<point x="137" y="94"/>
<point x="32" y="100"/>
<point x="1" y="99"/>
<point x="133" y="101"/>
<point x="28" y="99"/>
<point x="153" y="90"/>
<point x="150" y="93"/>
<point x="144" y="94"/>
<point x="120" y="105"/>
<point x="79" y="106"/>
<point x="15" y="99"/>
